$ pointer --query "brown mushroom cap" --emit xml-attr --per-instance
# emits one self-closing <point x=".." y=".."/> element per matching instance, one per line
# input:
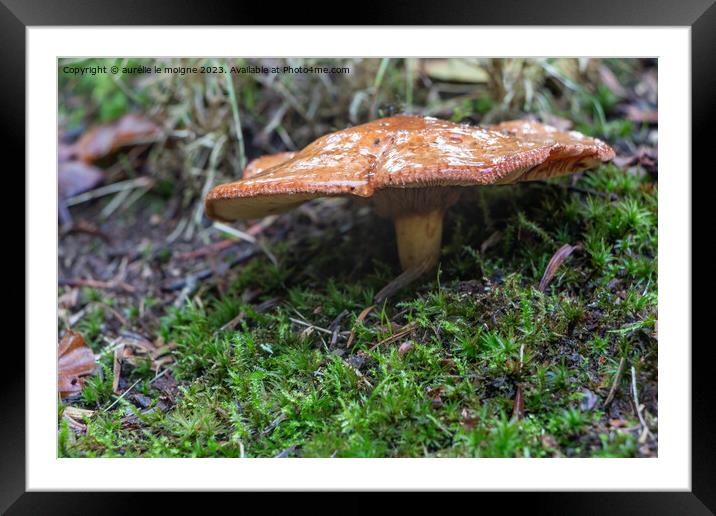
<point x="258" y="165"/>
<point x="404" y="152"/>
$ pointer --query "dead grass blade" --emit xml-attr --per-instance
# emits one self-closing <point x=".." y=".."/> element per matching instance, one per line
<point x="615" y="384"/>
<point x="557" y="259"/>
<point x="361" y="317"/>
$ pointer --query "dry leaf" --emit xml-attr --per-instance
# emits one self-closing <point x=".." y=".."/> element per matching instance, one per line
<point x="557" y="260"/>
<point x="102" y="140"/>
<point x="75" y="360"/>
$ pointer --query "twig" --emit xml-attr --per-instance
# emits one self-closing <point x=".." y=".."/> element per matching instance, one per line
<point x="335" y="327"/>
<point x="87" y="228"/>
<point x="615" y="384"/>
<point x="93" y="283"/>
<point x="274" y="424"/>
<point x="309" y="325"/>
<point x="285" y="452"/>
<point x="212" y="248"/>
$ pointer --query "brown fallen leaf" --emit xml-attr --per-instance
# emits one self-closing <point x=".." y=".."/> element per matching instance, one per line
<point x="103" y="140"/>
<point x="554" y="263"/>
<point x="75" y="360"/>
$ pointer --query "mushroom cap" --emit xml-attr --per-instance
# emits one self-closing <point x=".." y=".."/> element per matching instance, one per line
<point x="404" y="152"/>
<point x="270" y="160"/>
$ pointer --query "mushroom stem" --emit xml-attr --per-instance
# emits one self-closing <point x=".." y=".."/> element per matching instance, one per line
<point x="419" y="236"/>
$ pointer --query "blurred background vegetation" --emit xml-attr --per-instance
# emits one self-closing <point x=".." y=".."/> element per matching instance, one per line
<point x="215" y="122"/>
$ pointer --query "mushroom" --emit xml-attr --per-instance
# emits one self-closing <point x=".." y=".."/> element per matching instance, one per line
<point x="413" y="168"/>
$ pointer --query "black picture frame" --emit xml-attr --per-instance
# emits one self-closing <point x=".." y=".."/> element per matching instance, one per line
<point x="700" y="15"/>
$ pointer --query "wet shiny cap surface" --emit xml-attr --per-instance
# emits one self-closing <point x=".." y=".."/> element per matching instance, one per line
<point x="404" y="152"/>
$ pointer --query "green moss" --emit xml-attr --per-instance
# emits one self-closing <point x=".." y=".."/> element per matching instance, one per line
<point x="479" y="327"/>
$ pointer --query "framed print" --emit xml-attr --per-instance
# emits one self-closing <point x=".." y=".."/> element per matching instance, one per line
<point x="388" y="257"/>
